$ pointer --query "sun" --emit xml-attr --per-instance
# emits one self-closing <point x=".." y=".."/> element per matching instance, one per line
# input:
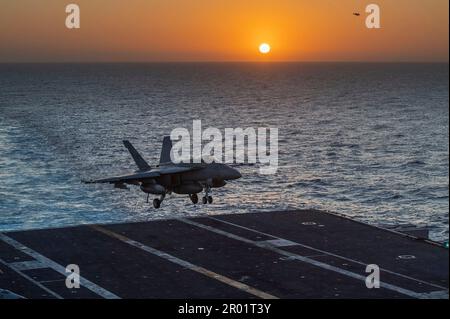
<point x="264" y="48"/>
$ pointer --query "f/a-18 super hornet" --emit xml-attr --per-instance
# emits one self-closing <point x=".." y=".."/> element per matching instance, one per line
<point x="168" y="177"/>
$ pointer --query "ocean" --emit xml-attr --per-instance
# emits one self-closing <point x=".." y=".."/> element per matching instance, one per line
<point x="366" y="140"/>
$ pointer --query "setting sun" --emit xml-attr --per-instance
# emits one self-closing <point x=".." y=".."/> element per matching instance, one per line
<point x="264" y="48"/>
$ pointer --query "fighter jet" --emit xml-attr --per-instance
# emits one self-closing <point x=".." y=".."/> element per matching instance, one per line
<point x="168" y="177"/>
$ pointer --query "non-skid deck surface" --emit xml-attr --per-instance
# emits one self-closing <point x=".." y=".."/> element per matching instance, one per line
<point x="295" y="254"/>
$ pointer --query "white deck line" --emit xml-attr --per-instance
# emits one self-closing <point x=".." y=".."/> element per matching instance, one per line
<point x="335" y="255"/>
<point x="57" y="267"/>
<point x="11" y="266"/>
<point x="186" y="264"/>
<point x="310" y="261"/>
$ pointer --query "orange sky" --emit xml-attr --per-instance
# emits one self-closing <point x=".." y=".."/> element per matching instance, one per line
<point x="223" y="30"/>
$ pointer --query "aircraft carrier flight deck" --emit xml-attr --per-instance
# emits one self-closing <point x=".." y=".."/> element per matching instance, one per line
<point x="267" y="255"/>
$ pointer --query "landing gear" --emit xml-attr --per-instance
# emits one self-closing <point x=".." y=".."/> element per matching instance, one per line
<point x="207" y="199"/>
<point x="157" y="201"/>
<point x="194" y="198"/>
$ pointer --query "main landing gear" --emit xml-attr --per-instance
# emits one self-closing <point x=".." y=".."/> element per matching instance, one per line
<point x="207" y="199"/>
<point x="157" y="201"/>
<point x="194" y="198"/>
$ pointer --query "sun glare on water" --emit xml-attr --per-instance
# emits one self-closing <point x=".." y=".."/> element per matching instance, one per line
<point x="264" y="48"/>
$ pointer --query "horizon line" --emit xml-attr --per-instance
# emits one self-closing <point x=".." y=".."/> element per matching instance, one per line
<point x="224" y="61"/>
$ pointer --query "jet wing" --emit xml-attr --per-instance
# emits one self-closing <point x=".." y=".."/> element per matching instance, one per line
<point x="126" y="178"/>
<point x="139" y="177"/>
<point x="164" y="170"/>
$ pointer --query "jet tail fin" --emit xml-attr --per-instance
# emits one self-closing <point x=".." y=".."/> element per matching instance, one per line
<point x="165" y="151"/>
<point x="140" y="162"/>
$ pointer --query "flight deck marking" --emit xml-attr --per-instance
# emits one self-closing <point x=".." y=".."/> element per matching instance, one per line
<point x="333" y="255"/>
<point x="19" y="272"/>
<point x="185" y="264"/>
<point x="27" y="265"/>
<point x="435" y="295"/>
<point x="310" y="261"/>
<point x="57" y="267"/>
<point x="279" y="242"/>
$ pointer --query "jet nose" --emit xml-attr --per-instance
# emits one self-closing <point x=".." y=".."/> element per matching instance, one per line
<point x="232" y="174"/>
